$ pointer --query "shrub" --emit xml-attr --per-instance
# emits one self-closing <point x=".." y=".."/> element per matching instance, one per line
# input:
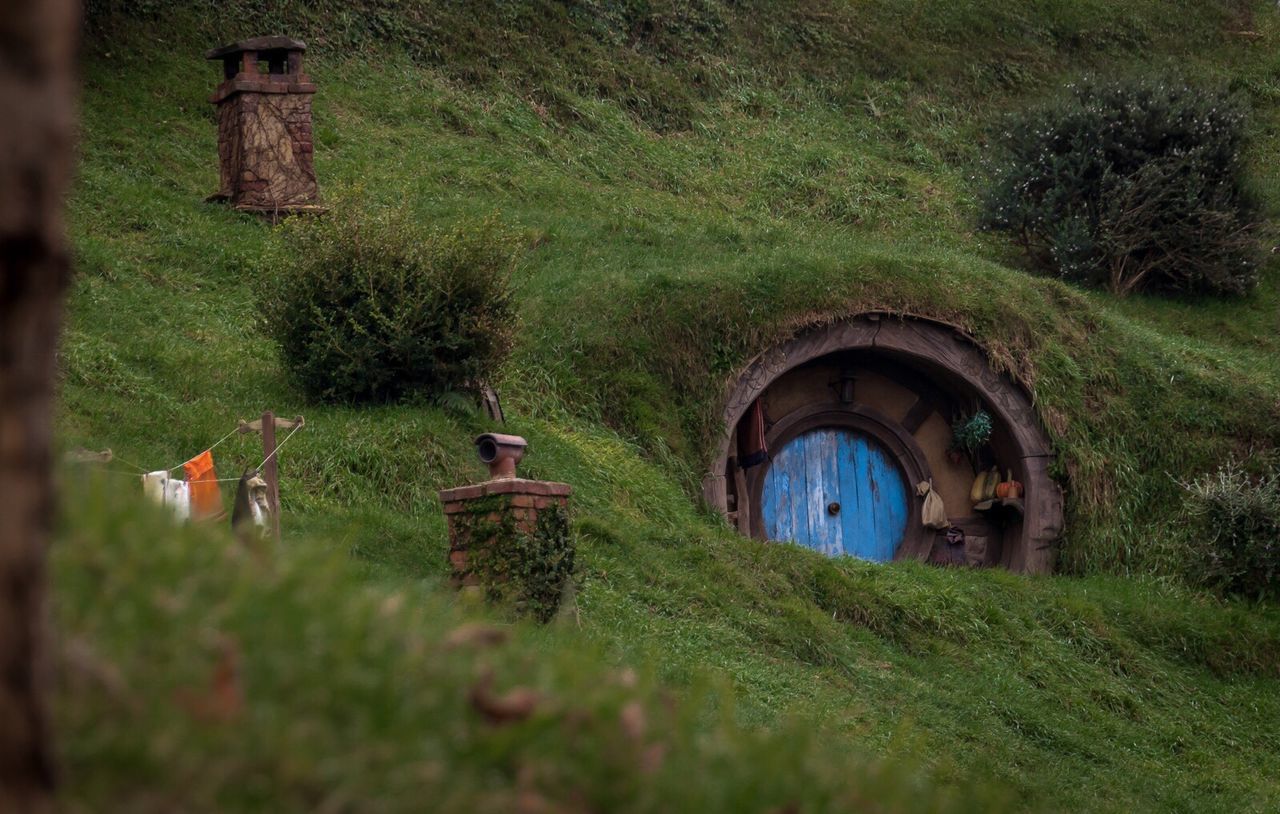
<point x="1130" y="186"/>
<point x="366" y="307"/>
<point x="1236" y="520"/>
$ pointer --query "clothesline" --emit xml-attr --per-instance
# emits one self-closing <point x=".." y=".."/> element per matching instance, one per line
<point x="144" y="470"/>
<point x="134" y="475"/>
<point x="119" y="472"/>
<point x="195" y="494"/>
<point x="209" y="449"/>
<point x="273" y="452"/>
<point x="116" y="457"/>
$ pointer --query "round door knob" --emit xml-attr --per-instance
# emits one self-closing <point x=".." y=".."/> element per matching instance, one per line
<point x="833" y="508"/>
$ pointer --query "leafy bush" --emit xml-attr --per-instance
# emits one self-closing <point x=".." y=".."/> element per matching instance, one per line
<point x="367" y="307"/>
<point x="1130" y="186"/>
<point x="1237" y="520"/>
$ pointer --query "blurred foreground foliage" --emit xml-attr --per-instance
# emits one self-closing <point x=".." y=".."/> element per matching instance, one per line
<point x="198" y="676"/>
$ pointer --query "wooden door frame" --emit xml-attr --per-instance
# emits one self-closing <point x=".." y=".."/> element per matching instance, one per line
<point x="917" y="541"/>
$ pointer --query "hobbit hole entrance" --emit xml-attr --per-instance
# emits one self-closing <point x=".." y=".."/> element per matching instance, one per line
<point x="829" y="435"/>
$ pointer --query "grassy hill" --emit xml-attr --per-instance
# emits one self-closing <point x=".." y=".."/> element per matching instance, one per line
<point x="694" y="181"/>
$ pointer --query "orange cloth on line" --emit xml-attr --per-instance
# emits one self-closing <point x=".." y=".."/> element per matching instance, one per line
<point x="206" y="497"/>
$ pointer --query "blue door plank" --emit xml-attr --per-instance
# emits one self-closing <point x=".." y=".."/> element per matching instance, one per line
<point x="880" y="487"/>
<point x="822" y="451"/>
<point x="865" y="521"/>
<point x="773" y="499"/>
<point x="797" y="499"/>
<point x="870" y="481"/>
<point x="770" y="500"/>
<point x="891" y="505"/>
<point x="850" y="508"/>
<point x="872" y="474"/>
<point x="794" y="519"/>
<point x="785" y="516"/>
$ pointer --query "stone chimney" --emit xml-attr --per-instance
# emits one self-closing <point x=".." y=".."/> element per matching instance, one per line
<point x="264" y="127"/>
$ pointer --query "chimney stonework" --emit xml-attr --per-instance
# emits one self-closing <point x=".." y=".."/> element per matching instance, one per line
<point x="474" y="513"/>
<point x="265" y="146"/>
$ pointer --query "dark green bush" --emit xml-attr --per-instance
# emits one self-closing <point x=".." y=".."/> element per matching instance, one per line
<point x="1236" y="522"/>
<point x="367" y="307"/>
<point x="1129" y="186"/>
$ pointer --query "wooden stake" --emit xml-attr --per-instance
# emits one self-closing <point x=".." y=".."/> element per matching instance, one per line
<point x="270" y="468"/>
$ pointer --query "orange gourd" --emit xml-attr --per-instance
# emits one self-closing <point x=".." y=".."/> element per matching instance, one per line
<point x="1009" y="489"/>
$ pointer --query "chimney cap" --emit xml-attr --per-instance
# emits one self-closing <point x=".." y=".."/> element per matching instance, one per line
<point x="276" y="43"/>
<point x="501" y="453"/>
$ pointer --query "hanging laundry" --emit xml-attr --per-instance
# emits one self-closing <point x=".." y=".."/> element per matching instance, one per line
<point x="251" y="510"/>
<point x="177" y="496"/>
<point x="752" y="450"/>
<point x="162" y="490"/>
<point x="206" y="498"/>
<point x="153" y="486"/>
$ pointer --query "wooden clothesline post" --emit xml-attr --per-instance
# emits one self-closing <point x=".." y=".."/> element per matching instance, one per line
<point x="267" y="425"/>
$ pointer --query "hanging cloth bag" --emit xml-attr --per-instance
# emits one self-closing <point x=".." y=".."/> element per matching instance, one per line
<point x="202" y="481"/>
<point x="933" y="513"/>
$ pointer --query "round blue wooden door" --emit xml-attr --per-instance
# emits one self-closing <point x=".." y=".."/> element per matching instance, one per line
<point x="836" y="491"/>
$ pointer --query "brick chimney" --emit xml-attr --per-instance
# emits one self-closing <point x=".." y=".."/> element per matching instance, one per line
<point x="264" y="127"/>
<point x="475" y="513"/>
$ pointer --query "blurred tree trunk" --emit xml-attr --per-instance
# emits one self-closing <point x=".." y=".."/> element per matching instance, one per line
<point x="37" y="104"/>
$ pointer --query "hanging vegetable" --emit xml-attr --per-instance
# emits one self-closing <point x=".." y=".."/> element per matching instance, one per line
<point x="984" y="486"/>
<point x="1009" y="489"/>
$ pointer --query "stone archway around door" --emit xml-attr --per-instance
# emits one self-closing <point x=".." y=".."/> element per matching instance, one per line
<point x="898" y="382"/>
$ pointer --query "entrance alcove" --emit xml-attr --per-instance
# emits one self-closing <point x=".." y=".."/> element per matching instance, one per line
<point x="853" y="416"/>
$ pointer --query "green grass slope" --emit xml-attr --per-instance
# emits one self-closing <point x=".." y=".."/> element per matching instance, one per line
<point x="695" y="181"/>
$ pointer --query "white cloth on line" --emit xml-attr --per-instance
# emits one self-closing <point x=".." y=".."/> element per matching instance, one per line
<point x="153" y="486"/>
<point x="162" y="490"/>
<point x="177" y="496"/>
